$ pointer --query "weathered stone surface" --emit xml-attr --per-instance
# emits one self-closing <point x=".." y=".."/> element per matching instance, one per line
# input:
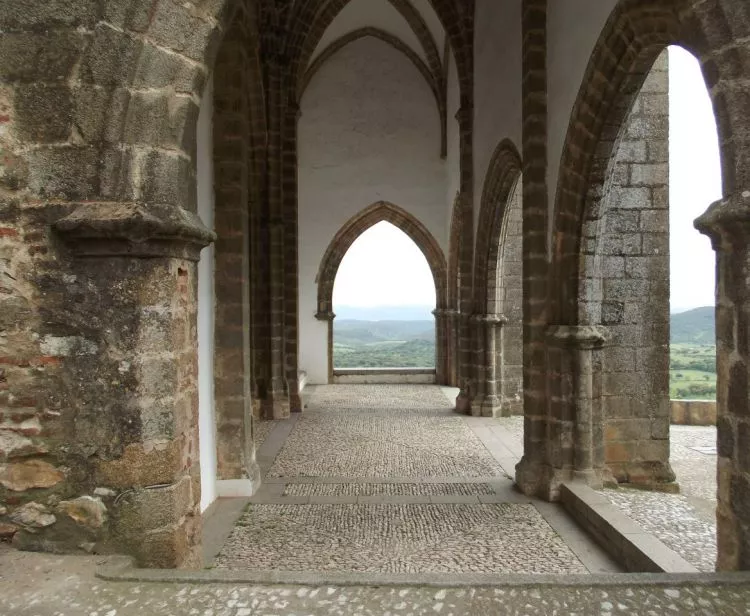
<point x="14" y="445"/>
<point x="7" y="530"/>
<point x="20" y="476"/>
<point x="33" y="516"/>
<point x="85" y="510"/>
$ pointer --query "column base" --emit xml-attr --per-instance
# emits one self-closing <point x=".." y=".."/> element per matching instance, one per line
<point x="649" y="475"/>
<point x="491" y="407"/>
<point x="276" y="406"/>
<point x="295" y="403"/>
<point x="463" y="403"/>
<point x="236" y="488"/>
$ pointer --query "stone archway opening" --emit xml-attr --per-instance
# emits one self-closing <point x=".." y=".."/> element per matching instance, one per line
<point x="604" y="317"/>
<point x="384" y="300"/>
<point x="339" y="247"/>
<point x="498" y="335"/>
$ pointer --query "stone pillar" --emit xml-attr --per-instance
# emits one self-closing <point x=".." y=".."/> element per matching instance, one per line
<point x="588" y="424"/>
<point x="493" y="324"/>
<point x="465" y="396"/>
<point x="442" y="346"/>
<point x="133" y="376"/>
<point x="328" y="316"/>
<point x="533" y="472"/>
<point x="479" y="365"/>
<point x="291" y="265"/>
<point x="275" y="404"/>
<point x="727" y="223"/>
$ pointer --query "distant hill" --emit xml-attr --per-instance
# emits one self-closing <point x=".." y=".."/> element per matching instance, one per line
<point x="384" y="313"/>
<point x="694" y="326"/>
<point x="355" y="332"/>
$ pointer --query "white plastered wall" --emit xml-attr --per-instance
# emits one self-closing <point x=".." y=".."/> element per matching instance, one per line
<point x="573" y="28"/>
<point x="369" y="131"/>
<point x="205" y="195"/>
<point x="497" y="84"/>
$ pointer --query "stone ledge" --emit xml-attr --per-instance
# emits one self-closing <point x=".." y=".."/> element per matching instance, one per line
<point x="631" y="546"/>
<point x="122" y="569"/>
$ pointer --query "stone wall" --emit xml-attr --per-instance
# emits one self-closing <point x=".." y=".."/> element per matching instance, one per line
<point x="628" y="282"/>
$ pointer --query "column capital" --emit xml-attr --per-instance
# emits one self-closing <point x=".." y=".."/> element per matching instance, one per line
<point x="445" y="312"/>
<point x="489" y="319"/>
<point x="325" y="315"/>
<point x="727" y="220"/>
<point x="140" y="230"/>
<point x="578" y="336"/>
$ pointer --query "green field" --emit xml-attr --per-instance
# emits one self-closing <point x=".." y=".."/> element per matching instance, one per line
<point x="692" y="373"/>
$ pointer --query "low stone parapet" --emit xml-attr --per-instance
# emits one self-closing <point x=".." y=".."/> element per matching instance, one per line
<point x="412" y="376"/>
<point x="693" y="412"/>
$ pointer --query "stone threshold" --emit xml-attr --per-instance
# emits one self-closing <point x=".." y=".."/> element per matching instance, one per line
<point x="123" y="569"/>
<point x="624" y="539"/>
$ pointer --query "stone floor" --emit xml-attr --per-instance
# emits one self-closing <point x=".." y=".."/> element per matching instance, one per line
<point x="388" y="479"/>
<point x="684" y="522"/>
<point x="48" y="585"/>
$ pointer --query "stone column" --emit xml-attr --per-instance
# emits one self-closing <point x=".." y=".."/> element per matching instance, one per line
<point x="533" y="472"/>
<point x="588" y="424"/>
<point x="491" y="405"/>
<point x="727" y="223"/>
<point x="131" y="373"/>
<point x="328" y="316"/>
<point x="291" y="267"/>
<point x="465" y="396"/>
<point x="442" y="346"/>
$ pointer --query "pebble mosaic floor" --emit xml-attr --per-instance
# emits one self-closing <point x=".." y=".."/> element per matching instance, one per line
<point x="684" y="522"/>
<point x="501" y="538"/>
<point x="387" y="489"/>
<point x="382" y="431"/>
<point x="48" y="585"/>
<point x="389" y="443"/>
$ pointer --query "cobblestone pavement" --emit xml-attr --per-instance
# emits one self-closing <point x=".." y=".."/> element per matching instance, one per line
<point x="387" y="489"/>
<point x="684" y="522"/>
<point x="388" y="479"/>
<point x="391" y="538"/>
<point x="48" y="585"/>
<point x="382" y="431"/>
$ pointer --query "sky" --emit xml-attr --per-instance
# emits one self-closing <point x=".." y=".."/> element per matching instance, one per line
<point x="384" y="267"/>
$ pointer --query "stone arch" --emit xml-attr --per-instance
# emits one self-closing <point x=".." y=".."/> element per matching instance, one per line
<point x="381" y="211"/>
<point x="497" y="334"/>
<point x="636" y="33"/>
<point x="502" y="176"/>
<point x="634" y="36"/>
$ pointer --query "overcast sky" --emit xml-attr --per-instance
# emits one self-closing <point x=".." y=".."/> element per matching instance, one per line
<point x="384" y="267"/>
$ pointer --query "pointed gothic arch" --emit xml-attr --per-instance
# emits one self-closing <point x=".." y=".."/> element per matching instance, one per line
<point x="381" y="211"/>
<point x="498" y="330"/>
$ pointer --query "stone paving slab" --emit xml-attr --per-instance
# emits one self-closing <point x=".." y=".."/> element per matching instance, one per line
<point x="261" y="430"/>
<point x="499" y="538"/>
